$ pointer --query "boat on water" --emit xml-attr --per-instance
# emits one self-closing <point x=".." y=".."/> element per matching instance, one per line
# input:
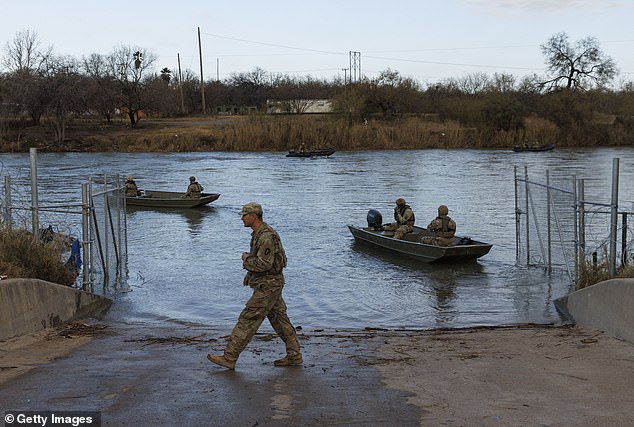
<point x="463" y="249"/>
<point x="533" y="147"/>
<point x="311" y="153"/>
<point x="169" y="199"/>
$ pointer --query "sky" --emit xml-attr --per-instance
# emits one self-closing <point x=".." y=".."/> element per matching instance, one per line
<point x="429" y="41"/>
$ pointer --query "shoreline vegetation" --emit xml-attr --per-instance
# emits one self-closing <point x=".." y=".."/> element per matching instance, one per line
<point x="282" y="133"/>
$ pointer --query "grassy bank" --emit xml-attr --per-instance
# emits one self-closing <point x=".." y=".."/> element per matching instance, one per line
<point x="273" y="133"/>
<point x="26" y="256"/>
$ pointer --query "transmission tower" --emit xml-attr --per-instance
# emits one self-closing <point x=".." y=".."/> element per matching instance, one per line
<point x="355" y="66"/>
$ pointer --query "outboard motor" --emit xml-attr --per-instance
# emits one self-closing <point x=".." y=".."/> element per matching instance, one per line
<point x="375" y="219"/>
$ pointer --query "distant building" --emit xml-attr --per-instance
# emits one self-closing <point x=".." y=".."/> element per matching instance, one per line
<point x="299" y="106"/>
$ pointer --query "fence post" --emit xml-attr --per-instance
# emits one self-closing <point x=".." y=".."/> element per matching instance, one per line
<point x="105" y="226"/>
<point x="581" y="230"/>
<point x="614" y="204"/>
<point x="528" y="251"/>
<point x="624" y="240"/>
<point x="85" y="218"/>
<point x="7" y="202"/>
<point x="517" y="218"/>
<point x="91" y="212"/>
<point x="34" y="202"/>
<point x="548" y="225"/>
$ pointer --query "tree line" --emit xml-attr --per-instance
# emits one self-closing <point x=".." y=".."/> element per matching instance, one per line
<point x="575" y="97"/>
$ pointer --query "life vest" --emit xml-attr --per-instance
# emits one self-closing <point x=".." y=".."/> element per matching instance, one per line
<point x="401" y="211"/>
<point x="445" y="230"/>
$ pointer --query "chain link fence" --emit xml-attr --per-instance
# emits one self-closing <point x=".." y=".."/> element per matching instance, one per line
<point x="557" y="227"/>
<point x="96" y="224"/>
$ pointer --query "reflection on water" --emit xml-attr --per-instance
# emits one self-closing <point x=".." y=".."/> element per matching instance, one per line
<point x="441" y="279"/>
<point x="193" y="217"/>
<point x="186" y="265"/>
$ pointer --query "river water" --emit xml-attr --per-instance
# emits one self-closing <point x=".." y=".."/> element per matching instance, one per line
<point x="185" y="266"/>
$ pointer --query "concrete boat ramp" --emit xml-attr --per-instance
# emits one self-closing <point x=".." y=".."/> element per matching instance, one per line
<point x="155" y="372"/>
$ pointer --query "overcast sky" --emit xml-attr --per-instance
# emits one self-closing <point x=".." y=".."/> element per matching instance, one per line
<point x="427" y="40"/>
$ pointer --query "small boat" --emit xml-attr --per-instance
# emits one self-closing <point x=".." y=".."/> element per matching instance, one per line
<point x="311" y="153"/>
<point x="169" y="199"/>
<point x="464" y="248"/>
<point x="532" y="147"/>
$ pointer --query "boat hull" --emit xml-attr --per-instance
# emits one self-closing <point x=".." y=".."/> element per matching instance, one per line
<point x="521" y="149"/>
<point x="169" y="199"/>
<point x="314" y="153"/>
<point x="465" y="249"/>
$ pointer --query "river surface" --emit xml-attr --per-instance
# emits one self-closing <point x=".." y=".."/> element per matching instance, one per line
<point x="185" y="266"/>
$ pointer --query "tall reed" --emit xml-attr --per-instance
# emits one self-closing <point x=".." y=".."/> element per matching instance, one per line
<point x="285" y="132"/>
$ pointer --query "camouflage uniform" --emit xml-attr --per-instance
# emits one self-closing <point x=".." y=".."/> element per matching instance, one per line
<point x="130" y="187"/>
<point x="194" y="189"/>
<point x="444" y="227"/>
<point x="264" y="266"/>
<point x="404" y="217"/>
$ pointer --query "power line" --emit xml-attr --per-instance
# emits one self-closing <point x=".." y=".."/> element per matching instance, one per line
<point x="419" y="61"/>
<point x="275" y="45"/>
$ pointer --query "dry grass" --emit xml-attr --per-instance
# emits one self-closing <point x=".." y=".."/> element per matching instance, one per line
<point x="278" y="133"/>
<point x="24" y="256"/>
<point x="591" y="274"/>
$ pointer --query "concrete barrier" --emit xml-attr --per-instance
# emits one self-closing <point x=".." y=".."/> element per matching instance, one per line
<point x="29" y="305"/>
<point x="607" y="306"/>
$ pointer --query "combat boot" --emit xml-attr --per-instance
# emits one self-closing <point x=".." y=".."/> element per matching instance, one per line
<point x="289" y="361"/>
<point x="220" y="360"/>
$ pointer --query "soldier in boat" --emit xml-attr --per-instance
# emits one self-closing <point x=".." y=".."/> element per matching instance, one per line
<point x="443" y="226"/>
<point x="404" y="219"/>
<point x="131" y="189"/>
<point x="194" y="189"/>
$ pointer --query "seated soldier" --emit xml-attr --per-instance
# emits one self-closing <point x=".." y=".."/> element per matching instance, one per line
<point x="404" y="217"/>
<point x="131" y="189"/>
<point x="443" y="226"/>
<point x="194" y="189"/>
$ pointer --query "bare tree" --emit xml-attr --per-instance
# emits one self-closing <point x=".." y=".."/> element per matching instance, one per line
<point x="502" y="82"/>
<point x="26" y="62"/>
<point x="129" y="67"/>
<point x="579" y="66"/>
<point x="65" y="89"/>
<point x="471" y="83"/>
<point x="102" y="91"/>
<point x="531" y="84"/>
<point x="24" y="55"/>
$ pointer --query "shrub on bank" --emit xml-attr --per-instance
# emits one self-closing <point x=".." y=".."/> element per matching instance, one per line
<point x="591" y="273"/>
<point x="23" y="255"/>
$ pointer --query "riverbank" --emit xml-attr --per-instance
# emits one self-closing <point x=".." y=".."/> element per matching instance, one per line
<point x="157" y="373"/>
<point x="271" y="133"/>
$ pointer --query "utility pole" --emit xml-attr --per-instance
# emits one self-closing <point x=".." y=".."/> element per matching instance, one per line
<point x="202" y="79"/>
<point x="180" y="83"/>
<point x="217" y="69"/>
<point x="345" y="79"/>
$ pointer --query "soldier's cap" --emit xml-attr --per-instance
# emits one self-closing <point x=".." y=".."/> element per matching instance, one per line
<point x="251" y="208"/>
<point x="129" y="177"/>
<point x="192" y="178"/>
<point x="443" y="210"/>
<point x="400" y="201"/>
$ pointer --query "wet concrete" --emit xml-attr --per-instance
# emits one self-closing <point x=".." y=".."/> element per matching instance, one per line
<point x="606" y="306"/>
<point x="28" y="305"/>
<point x="158" y="374"/>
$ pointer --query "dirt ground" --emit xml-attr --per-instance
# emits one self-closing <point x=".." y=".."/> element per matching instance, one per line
<point x="155" y="373"/>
